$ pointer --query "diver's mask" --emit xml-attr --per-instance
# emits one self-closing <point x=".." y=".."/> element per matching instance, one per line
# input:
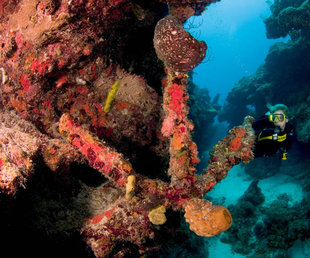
<point x="276" y="117"/>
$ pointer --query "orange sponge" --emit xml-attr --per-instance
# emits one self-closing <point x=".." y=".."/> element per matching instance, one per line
<point x="206" y="219"/>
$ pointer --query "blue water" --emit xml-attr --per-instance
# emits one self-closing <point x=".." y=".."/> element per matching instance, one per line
<point x="237" y="45"/>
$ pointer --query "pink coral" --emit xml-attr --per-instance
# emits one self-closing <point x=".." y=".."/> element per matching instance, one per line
<point x="177" y="101"/>
<point x="236" y="142"/>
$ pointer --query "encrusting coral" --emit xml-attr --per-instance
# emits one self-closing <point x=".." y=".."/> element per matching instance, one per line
<point x="58" y="103"/>
<point x="128" y="216"/>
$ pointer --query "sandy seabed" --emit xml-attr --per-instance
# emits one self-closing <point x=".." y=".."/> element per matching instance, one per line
<point x="229" y="190"/>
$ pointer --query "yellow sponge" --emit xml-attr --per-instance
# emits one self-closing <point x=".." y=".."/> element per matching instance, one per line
<point x="157" y="216"/>
<point x="111" y="96"/>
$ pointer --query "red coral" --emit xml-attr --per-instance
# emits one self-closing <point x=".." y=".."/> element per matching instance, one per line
<point x="236" y="142"/>
<point x="98" y="218"/>
<point x="183" y="152"/>
<point x="39" y="66"/>
<point x="128" y="220"/>
<point x="25" y="82"/>
<point x="96" y="152"/>
<point x="177" y="100"/>
<point x="66" y="77"/>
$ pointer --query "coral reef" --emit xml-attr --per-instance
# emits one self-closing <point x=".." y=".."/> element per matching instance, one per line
<point x="287" y="17"/>
<point x="266" y="230"/>
<point x="62" y="59"/>
<point x="285" y="224"/>
<point x="245" y="214"/>
<point x="75" y="103"/>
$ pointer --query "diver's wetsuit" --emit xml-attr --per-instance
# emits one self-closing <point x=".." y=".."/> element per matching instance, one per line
<point x="270" y="139"/>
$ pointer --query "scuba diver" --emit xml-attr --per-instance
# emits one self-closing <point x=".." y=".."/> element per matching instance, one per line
<point x="273" y="132"/>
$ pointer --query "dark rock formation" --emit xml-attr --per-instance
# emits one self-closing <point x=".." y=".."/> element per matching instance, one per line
<point x="287" y="17"/>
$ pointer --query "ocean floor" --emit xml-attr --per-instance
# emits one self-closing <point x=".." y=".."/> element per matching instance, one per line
<point x="229" y="190"/>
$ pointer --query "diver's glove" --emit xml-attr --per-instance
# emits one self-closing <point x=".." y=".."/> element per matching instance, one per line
<point x="284" y="156"/>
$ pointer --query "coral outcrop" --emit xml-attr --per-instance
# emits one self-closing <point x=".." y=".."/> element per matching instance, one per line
<point x="245" y="213"/>
<point x="262" y="230"/>
<point x="75" y="103"/>
<point x="287" y="17"/>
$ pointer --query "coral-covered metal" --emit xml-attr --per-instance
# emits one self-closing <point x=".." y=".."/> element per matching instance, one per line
<point x="104" y="229"/>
